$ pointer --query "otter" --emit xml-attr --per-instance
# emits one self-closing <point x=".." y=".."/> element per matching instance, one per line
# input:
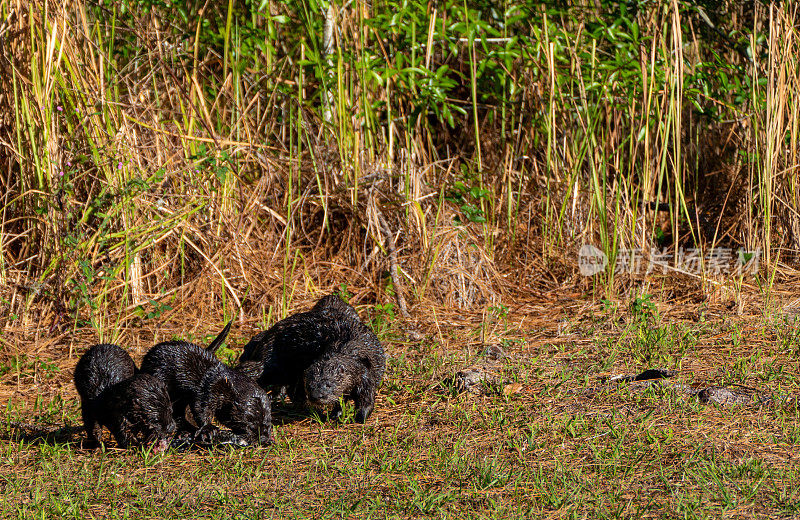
<point x="194" y="377"/>
<point x="346" y="369"/>
<point x="115" y="396"/>
<point x="319" y="355"/>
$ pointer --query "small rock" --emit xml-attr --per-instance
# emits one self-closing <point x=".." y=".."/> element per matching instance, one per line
<point x="723" y="396"/>
<point x="469" y="379"/>
<point x="495" y="352"/>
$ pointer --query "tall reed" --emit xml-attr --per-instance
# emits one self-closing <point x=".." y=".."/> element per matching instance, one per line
<point x="141" y="150"/>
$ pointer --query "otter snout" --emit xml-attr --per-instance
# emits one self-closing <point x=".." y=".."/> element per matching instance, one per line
<point x="322" y="393"/>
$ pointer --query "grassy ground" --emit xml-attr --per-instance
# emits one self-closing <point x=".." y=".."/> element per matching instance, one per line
<point x="545" y="434"/>
<point x="165" y="168"/>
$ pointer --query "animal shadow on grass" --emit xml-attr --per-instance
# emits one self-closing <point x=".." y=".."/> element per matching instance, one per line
<point x="74" y="437"/>
<point x="43" y="434"/>
<point x="285" y="412"/>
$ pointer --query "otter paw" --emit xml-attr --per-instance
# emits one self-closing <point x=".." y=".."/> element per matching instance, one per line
<point x="362" y="414"/>
<point x="206" y="434"/>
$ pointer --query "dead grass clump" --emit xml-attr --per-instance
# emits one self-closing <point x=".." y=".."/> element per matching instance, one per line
<point x="460" y="274"/>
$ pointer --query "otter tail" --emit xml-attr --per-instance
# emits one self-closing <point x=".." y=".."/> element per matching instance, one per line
<point x="214" y="345"/>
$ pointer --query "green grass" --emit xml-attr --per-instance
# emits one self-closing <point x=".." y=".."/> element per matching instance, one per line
<point x="158" y="179"/>
<point x="565" y="446"/>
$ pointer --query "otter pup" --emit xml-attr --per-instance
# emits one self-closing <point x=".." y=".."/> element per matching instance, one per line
<point x="114" y="396"/>
<point x="197" y="379"/>
<point x="139" y="406"/>
<point x="320" y="355"/>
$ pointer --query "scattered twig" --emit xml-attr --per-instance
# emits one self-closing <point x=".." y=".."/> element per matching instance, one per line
<point x="393" y="271"/>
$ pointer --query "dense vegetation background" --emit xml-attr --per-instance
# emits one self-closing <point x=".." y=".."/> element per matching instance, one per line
<point x="228" y="156"/>
<point x="166" y="166"/>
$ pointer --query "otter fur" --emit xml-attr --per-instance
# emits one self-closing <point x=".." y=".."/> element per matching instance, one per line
<point x="196" y="378"/>
<point x="115" y="396"/>
<point x="320" y="355"/>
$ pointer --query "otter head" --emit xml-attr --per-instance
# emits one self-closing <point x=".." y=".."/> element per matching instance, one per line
<point x="326" y="380"/>
<point x="244" y="407"/>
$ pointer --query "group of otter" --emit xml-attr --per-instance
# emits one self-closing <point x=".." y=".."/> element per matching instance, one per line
<point x="319" y="357"/>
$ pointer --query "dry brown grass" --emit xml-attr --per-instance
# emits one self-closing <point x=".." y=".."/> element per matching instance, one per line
<point x="200" y="197"/>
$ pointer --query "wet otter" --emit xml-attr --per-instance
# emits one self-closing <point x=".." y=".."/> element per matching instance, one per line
<point x="320" y="355"/>
<point x="196" y="378"/>
<point x="115" y="396"/>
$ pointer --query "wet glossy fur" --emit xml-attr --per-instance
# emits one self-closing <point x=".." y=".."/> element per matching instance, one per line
<point x="114" y="396"/>
<point x="350" y="369"/>
<point x="197" y="379"/>
<point x="319" y="355"/>
<point x="139" y="407"/>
